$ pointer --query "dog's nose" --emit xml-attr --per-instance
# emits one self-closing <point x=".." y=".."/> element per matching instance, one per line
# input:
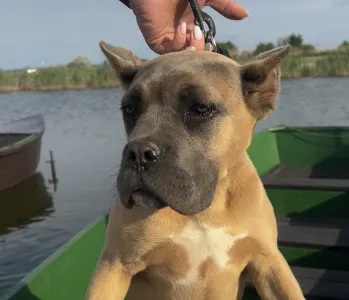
<point x="143" y="153"/>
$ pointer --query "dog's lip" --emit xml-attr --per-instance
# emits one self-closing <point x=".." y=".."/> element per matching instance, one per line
<point x="144" y="191"/>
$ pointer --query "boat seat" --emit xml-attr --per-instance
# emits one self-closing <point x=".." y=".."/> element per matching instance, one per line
<point x="322" y="234"/>
<point x="332" y="234"/>
<point x="307" y="177"/>
<point x="316" y="284"/>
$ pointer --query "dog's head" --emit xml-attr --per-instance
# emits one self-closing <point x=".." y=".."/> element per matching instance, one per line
<point x="188" y="116"/>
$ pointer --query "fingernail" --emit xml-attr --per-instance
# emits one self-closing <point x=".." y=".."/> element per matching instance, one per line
<point x="183" y="28"/>
<point x="197" y="33"/>
<point x="247" y="12"/>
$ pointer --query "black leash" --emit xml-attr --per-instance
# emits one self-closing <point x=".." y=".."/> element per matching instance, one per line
<point x="200" y="17"/>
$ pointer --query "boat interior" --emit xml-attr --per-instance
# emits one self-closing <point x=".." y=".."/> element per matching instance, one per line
<point x="8" y="139"/>
<point x="309" y="159"/>
<point x="305" y="172"/>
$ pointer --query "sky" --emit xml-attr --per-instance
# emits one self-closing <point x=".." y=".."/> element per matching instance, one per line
<point x="45" y="32"/>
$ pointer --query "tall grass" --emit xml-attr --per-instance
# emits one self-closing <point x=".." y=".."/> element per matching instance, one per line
<point x="318" y="64"/>
<point x="82" y="76"/>
<point x="332" y="64"/>
<point x="60" y="77"/>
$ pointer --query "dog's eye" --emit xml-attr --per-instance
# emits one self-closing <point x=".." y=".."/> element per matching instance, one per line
<point x="128" y="109"/>
<point x="201" y="109"/>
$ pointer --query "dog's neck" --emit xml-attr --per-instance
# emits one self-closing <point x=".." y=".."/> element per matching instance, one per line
<point x="240" y="180"/>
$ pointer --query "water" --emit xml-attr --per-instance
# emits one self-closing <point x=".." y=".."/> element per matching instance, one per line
<point x="85" y="131"/>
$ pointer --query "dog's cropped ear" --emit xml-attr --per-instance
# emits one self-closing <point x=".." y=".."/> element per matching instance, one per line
<point x="260" y="79"/>
<point x="123" y="61"/>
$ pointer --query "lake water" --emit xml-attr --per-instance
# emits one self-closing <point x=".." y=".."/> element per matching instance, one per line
<point x="85" y="132"/>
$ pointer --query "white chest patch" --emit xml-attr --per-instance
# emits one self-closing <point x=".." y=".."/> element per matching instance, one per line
<point x="201" y="243"/>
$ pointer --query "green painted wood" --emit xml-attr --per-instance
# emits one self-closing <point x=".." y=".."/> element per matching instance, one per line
<point x="314" y="146"/>
<point x="66" y="274"/>
<point x="263" y="151"/>
<point x="312" y="204"/>
<point x="20" y="143"/>
<point x="316" y="258"/>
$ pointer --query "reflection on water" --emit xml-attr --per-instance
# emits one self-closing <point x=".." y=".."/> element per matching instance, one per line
<point x="84" y="131"/>
<point x="25" y="203"/>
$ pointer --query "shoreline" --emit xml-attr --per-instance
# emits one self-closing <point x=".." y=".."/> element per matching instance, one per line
<point x="303" y="61"/>
<point x="5" y="89"/>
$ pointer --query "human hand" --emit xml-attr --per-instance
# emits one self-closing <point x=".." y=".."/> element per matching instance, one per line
<point x="168" y="25"/>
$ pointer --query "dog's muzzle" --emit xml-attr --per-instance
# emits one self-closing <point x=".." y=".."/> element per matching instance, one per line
<point x="150" y="177"/>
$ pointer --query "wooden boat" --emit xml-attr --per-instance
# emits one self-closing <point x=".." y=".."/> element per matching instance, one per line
<point x="305" y="172"/>
<point x="20" y="147"/>
<point x="25" y="203"/>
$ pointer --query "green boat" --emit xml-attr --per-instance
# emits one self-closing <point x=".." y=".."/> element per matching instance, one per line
<point x="306" y="174"/>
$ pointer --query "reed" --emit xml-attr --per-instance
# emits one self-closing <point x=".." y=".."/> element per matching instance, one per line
<point x="82" y="75"/>
<point x="334" y="64"/>
<point x="59" y="78"/>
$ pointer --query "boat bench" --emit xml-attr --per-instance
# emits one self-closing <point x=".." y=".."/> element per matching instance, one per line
<point x="307" y="177"/>
<point x="316" y="284"/>
<point x="329" y="235"/>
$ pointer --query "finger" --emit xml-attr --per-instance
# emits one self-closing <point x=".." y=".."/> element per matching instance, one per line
<point x="179" y="40"/>
<point x="196" y="39"/>
<point x="229" y="9"/>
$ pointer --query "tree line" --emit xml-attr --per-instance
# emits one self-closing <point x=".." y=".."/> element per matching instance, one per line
<point x="295" y="40"/>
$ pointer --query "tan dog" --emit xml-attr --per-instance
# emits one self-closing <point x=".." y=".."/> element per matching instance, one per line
<point x="194" y="214"/>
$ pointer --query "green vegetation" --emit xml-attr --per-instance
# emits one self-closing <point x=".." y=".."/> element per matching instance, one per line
<point x="304" y="61"/>
<point x="78" y="74"/>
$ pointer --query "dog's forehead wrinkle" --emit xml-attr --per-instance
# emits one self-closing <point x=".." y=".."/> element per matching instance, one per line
<point x="148" y="123"/>
<point x="163" y="80"/>
<point x="135" y="92"/>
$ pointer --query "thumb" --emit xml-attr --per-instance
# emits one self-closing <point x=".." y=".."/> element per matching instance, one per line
<point x="228" y="9"/>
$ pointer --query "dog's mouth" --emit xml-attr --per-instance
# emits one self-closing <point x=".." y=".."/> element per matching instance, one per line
<point x="144" y="198"/>
<point x="165" y="186"/>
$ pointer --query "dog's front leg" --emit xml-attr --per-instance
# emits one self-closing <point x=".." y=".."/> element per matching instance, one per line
<point x="273" y="278"/>
<point x="110" y="280"/>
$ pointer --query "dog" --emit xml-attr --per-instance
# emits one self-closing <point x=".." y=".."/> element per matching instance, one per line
<point x="193" y="220"/>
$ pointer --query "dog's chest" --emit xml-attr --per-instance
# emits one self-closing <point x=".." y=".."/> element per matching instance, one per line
<point x="203" y="243"/>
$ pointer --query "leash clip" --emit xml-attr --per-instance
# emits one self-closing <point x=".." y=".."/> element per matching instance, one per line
<point x="200" y="17"/>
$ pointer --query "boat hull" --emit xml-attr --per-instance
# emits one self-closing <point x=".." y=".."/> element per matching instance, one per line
<point x="19" y="162"/>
